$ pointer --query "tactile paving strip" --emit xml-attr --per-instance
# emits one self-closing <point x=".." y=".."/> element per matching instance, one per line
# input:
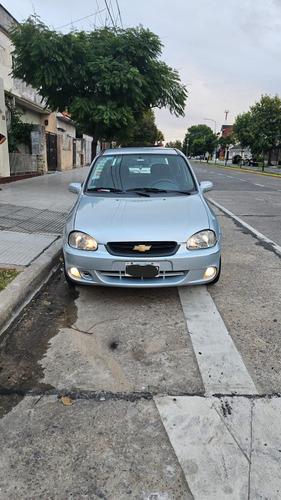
<point x="21" y="248"/>
<point x="31" y="220"/>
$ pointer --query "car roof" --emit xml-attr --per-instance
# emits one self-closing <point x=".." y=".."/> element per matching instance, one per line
<point x="142" y="150"/>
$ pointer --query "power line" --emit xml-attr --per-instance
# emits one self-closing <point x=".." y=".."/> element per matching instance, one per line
<point x="82" y="19"/>
<point x="100" y="11"/>
<point x="118" y="9"/>
<point x="113" y="23"/>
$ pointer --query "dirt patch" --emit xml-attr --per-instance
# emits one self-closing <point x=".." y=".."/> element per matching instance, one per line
<point x="26" y="341"/>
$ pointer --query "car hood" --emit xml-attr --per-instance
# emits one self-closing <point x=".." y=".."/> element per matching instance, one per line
<point x="171" y="218"/>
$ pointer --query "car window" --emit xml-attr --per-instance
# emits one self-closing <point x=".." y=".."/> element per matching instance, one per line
<point x="128" y="172"/>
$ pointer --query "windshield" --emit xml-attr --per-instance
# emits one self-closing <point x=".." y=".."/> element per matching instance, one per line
<point x="142" y="173"/>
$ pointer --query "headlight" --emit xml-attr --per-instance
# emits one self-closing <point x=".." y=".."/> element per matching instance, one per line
<point x="203" y="239"/>
<point x="82" y="241"/>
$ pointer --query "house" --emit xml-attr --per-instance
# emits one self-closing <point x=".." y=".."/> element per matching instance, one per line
<point x="53" y="144"/>
<point x="225" y="131"/>
<point x="238" y="150"/>
<point x="23" y="98"/>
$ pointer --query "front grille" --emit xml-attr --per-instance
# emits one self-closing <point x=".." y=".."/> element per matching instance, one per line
<point x="116" y="277"/>
<point x="157" y="248"/>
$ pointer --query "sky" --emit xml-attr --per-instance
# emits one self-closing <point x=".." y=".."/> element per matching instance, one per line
<point x="227" y="52"/>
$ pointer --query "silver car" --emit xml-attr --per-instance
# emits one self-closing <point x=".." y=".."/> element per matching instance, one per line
<point x="141" y="220"/>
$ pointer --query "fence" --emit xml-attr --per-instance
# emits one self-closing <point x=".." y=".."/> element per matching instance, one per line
<point x="23" y="163"/>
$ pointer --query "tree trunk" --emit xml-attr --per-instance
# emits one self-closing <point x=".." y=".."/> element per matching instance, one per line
<point x="94" y="148"/>
<point x="226" y="156"/>
<point x="269" y="162"/>
<point x="96" y="136"/>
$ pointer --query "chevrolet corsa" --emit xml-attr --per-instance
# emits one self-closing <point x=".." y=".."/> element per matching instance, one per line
<point x="141" y="220"/>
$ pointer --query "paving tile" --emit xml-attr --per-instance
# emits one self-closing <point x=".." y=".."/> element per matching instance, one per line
<point x="22" y="248"/>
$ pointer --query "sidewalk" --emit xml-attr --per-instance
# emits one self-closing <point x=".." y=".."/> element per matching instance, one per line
<point x="32" y="216"/>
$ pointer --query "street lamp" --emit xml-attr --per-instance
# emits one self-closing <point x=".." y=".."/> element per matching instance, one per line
<point x="211" y="120"/>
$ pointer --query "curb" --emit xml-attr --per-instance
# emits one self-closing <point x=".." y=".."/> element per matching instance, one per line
<point x="258" y="172"/>
<point x="23" y="288"/>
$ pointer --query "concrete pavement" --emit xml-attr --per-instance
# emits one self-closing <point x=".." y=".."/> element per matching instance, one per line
<point x="32" y="215"/>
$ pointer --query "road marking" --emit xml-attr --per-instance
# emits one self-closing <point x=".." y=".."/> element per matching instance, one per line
<point x="252" y="230"/>
<point x="227" y="447"/>
<point x="260" y="185"/>
<point x="221" y="366"/>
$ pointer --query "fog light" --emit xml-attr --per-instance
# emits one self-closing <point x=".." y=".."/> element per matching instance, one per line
<point x="74" y="273"/>
<point x="210" y="272"/>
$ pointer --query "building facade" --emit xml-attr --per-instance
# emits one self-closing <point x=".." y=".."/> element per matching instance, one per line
<point x="53" y="143"/>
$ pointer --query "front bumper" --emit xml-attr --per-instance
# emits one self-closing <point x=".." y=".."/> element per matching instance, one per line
<point x="186" y="267"/>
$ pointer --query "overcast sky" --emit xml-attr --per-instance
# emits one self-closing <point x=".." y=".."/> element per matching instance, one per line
<point x="227" y="52"/>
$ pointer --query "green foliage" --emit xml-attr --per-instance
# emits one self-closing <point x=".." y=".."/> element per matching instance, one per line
<point x="266" y="124"/>
<point x="199" y="140"/>
<point x="227" y="141"/>
<point x="198" y="147"/>
<point x="144" y="132"/>
<point x="106" y="78"/>
<point x="174" y="144"/>
<point x="19" y="132"/>
<point x="6" y="276"/>
<point x="242" y="129"/>
<point x="260" y="127"/>
<point x="160" y="136"/>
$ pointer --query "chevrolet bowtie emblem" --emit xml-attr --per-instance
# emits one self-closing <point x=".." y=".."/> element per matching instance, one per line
<point x="142" y="248"/>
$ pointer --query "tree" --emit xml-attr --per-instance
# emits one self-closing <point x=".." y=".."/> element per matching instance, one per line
<point x="225" y="142"/>
<point x="18" y="131"/>
<point x="106" y="78"/>
<point x="260" y="128"/>
<point x="144" y="132"/>
<point x="266" y="125"/>
<point x="198" y="147"/>
<point x="160" y="136"/>
<point x="242" y="129"/>
<point x="174" y="144"/>
<point x="199" y="140"/>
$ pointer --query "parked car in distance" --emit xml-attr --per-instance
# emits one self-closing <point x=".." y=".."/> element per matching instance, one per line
<point x="236" y="159"/>
<point x="252" y="162"/>
<point x="141" y="220"/>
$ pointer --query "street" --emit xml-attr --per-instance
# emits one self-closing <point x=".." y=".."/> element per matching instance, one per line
<point x="152" y="394"/>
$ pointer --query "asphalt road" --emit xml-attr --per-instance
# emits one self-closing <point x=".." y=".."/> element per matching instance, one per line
<point x="170" y="394"/>
<point x="252" y="197"/>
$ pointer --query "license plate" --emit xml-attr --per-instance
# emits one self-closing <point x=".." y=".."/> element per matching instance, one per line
<point x="142" y="270"/>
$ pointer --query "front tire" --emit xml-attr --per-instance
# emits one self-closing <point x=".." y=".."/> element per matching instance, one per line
<point x="68" y="279"/>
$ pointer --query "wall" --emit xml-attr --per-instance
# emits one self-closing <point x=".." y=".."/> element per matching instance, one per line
<point x="66" y="133"/>
<point x="4" y="154"/>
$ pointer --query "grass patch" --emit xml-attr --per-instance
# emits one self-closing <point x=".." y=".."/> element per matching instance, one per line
<point x="6" y="276"/>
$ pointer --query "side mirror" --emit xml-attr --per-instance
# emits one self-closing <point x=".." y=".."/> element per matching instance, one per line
<point x="75" y="187"/>
<point x="206" y="186"/>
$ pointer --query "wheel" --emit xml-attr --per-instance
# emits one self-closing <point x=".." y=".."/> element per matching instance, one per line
<point x="69" y="281"/>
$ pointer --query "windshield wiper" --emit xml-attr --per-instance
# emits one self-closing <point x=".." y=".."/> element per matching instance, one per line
<point x="105" y="190"/>
<point x="145" y="190"/>
<point x="181" y="192"/>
